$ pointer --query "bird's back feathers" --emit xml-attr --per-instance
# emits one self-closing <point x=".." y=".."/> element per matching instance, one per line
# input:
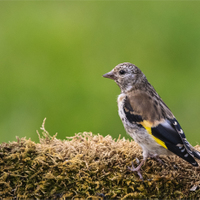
<point x="149" y="105"/>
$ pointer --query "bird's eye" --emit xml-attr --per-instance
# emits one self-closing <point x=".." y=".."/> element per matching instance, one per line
<point x="121" y="72"/>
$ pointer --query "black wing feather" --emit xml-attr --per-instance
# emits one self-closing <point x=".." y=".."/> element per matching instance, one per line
<point x="179" y="130"/>
<point x="174" y="140"/>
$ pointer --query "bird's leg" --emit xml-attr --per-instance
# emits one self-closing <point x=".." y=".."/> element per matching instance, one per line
<point x="137" y="169"/>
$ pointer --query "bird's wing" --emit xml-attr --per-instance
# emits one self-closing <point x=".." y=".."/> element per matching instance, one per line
<point x="158" y="120"/>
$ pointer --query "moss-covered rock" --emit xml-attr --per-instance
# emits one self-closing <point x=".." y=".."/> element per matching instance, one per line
<point x="90" y="166"/>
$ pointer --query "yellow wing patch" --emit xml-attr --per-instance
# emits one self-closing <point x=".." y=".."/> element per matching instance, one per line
<point x="146" y="123"/>
<point x="160" y="142"/>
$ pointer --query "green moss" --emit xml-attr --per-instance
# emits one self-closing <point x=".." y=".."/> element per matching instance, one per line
<point x="89" y="166"/>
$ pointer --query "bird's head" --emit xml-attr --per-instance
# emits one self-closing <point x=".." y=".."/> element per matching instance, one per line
<point x="127" y="76"/>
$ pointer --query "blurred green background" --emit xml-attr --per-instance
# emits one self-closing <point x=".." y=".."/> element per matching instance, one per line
<point x="53" y="56"/>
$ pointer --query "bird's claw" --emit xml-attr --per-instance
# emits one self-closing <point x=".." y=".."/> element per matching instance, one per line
<point x="137" y="169"/>
<point x="137" y="160"/>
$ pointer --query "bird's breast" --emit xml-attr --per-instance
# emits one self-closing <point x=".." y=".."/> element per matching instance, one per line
<point x="127" y="125"/>
<point x="121" y="98"/>
<point x="120" y="101"/>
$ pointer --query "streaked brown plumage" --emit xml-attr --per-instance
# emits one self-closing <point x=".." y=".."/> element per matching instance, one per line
<point x="146" y="117"/>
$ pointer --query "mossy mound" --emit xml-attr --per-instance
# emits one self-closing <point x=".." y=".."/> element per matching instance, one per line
<point x="90" y="166"/>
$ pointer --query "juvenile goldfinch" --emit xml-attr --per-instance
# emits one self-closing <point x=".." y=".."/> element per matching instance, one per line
<point x="146" y="117"/>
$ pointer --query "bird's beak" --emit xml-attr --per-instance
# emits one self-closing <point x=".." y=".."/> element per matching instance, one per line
<point x="109" y="75"/>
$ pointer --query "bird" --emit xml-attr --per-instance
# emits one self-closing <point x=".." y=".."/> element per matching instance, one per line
<point x="147" y="119"/>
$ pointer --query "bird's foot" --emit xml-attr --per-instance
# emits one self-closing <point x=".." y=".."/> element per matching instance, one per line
<point x="137" y="169"/>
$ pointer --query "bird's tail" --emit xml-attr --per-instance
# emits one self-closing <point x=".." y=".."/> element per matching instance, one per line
<point x="196" y="154"/>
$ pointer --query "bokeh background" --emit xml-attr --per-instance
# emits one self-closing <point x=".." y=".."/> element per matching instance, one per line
<point x="53" y="56"/>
